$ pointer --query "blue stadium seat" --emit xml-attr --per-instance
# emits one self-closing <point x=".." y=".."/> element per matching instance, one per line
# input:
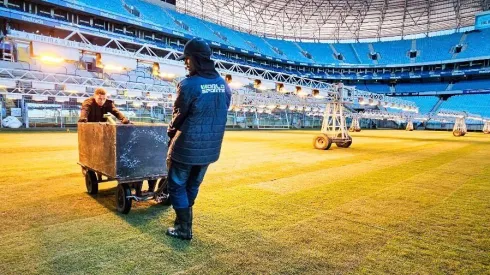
<point x="154" y="14"/>
<point x="420" y="87"/>
<point x="425" y="103"/>
<point x="472" y="85"/>
<point x="393" y="52"/>
<point x="437" y="48"/>
<point x="261" y="45"/>
<point x="375" y="88"/>
<point x="321" y="52"/>
<point x="196" y="26"/>
<point x="475" y="104"/>
<point x="348" y="52"/>
<point x="474" y="45"/>
<point x="233" y="38"/>
<point x="291" y="51"/>
<point x="114" y="6"/>
<point x="362" y="50"/>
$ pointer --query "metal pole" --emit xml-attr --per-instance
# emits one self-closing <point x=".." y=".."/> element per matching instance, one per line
<point x="287" y="118"/>
<point x="257" y="119"/>
<point x="61" y="115"/>
<point x="26" y="110"/>
<point x="235" y="119"/>
<point x="1" y="112"/>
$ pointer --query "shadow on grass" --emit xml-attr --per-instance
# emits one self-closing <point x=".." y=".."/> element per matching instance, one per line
<point x="141" y="216"/>
<point x="107" y="198"/>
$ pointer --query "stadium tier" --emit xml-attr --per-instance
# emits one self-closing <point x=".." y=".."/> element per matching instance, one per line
<point x="477" y="104"/>
<point x="425" y="103"/>
<point x="472" y="85"/>
<point x="428" y="49"/>
<point x="141" y="39"/>
<point x="400" y="88"/>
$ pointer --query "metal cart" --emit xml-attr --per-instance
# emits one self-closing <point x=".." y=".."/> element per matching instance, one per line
<point x="129" y="154"/>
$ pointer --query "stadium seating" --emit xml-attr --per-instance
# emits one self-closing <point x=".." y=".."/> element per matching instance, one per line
<point x="291" y="51"/>
<point x="420" y="87"/>
<point x="233" y="38"/>
<point x="321" y="52"/>
<point x="472" y="85"/>
<point x="374" y="88"/>
<point x="405" y="87"/>
<point x="114" y="6"/>
<point x="154" y="14"/>
<point x="362" y="50"/>
<point x="196" y="27"/>
<point x="261" y="45"/>
<point x="474" y="46"/>
<point x="475" y="104"/>
<point x="430" y="49"/>
<point x="437" y="48"/>
<point x="348" y="53"/>
<point x="394" y="52"/>
<point x="425" y="103"/>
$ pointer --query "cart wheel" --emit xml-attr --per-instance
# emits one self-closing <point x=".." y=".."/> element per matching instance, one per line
<point x="161" y="195"/>
<point x="123" y="204"/>
<point x="91" y="182"/>
<point x="322" y="142"/>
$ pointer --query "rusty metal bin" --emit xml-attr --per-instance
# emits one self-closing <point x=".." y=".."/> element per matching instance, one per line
<point x="123" y="152"/>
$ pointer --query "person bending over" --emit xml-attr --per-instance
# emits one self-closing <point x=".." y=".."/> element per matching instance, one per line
<point x="95" y="107"/>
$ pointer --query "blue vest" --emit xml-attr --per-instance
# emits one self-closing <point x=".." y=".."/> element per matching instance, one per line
<point x="203" y="105"/>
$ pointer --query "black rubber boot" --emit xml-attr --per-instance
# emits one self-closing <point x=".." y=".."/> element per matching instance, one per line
<point x="177" y="218"/>
<point x="183" y="227"/>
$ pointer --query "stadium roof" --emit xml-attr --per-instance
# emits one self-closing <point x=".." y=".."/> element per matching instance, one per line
<point x="336" y="19"/>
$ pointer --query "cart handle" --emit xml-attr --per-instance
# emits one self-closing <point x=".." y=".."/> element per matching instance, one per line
<point x="110" y="119"/>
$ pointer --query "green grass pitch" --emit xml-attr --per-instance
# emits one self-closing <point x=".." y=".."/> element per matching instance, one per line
<point x="396" y="202"/>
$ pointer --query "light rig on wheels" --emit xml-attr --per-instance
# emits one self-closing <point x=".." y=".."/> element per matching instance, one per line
<point x="334" y="127"/>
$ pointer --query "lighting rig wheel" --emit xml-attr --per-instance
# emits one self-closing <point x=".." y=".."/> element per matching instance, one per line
<point x="91" y="182"/>
<point x="322" y="142"/>
<point x="345" y="144"/>
<point x="123" y="203"/>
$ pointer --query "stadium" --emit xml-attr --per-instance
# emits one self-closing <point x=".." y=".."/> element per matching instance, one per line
<point x="356" y="139"/>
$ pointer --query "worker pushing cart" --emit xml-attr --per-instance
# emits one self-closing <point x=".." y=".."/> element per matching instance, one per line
<point x="126" y="153"/>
